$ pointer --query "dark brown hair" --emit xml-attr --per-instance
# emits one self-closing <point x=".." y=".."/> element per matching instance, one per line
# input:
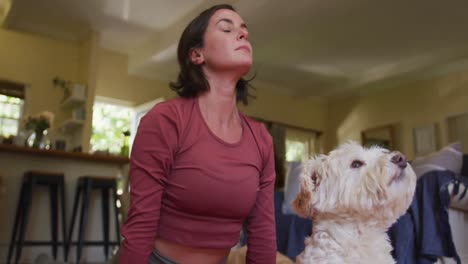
<point x="191" y="80"/>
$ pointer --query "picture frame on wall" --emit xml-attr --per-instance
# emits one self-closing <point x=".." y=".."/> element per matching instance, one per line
<point x="425" y="140"/>
<point x="382" y="136"/>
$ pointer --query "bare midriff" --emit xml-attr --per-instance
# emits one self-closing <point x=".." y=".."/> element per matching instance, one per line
<point x="189" y="255"/>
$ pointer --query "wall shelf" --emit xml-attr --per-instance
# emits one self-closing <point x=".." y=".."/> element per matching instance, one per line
<point x="76" y="97"/>
<point x="71" y="102"/>
<point x="70" y="125"/>
<point x="49" y="153"/>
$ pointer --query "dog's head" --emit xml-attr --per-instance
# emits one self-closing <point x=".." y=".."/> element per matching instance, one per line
<point x="353" y="181"/>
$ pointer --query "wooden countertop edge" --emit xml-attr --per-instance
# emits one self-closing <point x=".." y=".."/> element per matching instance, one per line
<point x="63" y="154"/>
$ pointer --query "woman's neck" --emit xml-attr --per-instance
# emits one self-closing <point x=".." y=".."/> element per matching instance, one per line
<point x="218" y="109"/>
<point x="219" y="104"/>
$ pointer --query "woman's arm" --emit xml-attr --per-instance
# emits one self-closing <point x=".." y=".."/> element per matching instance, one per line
<point x="150" y="163"/>
<point x="261" y="228"/>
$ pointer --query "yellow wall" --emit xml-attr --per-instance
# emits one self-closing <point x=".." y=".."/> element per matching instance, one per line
<point x="296" y="111"/>
<point x="35" y="61"/>
<point x="407" y="106"/>
<point x="114" y="82"/>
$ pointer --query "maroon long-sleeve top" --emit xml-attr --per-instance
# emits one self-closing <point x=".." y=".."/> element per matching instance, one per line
<point x="191" y="187"/>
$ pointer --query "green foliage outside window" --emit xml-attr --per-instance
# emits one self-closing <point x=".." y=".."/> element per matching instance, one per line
<point x="109" y="124"/>
<point x="10" y="112"/>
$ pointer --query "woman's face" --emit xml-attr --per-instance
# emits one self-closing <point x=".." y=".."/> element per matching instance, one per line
<point x="226" y="43"/>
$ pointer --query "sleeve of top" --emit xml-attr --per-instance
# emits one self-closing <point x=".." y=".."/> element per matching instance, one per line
<point x="150" y="162"/>
<point x="260" y="225"/>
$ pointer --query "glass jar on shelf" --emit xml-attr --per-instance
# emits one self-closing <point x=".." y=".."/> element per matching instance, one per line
<point x="39" y="139"/>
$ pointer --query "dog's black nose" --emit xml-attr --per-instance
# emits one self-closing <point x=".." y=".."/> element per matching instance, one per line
<point x="399" y="159"/>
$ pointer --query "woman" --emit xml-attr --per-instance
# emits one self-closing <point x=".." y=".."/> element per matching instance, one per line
<point x="200" y="168"/>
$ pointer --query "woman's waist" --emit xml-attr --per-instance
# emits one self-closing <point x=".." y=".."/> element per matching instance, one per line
<point x="181" y="253"/>
<point x="206" y="231"/>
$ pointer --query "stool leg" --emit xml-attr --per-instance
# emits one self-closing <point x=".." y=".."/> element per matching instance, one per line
<point x="116" y="214"/>
<point x="24" y="222"/>
<point x="105" y="220"/>
<point x="64" y="222"/>
<point x="53" y="193"/>
<point x="83" y="219"/>
<point x="78" y="191"/>
<point x="18" y="218"/>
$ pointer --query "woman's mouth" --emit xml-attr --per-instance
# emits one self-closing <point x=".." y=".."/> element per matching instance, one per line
<point x="244" y="47"/>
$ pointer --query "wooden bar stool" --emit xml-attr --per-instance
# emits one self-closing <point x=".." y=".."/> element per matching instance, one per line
<point x="56" y="185"/>
<point x="84" y="187"/>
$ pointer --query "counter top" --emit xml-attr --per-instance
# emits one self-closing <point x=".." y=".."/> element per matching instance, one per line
<point x="63" y="154"/>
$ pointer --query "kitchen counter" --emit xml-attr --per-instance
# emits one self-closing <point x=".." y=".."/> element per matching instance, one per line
<point x="16" y="160"/>
<point x="64" y="154"/>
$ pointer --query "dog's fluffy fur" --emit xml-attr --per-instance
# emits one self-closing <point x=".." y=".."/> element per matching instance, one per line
<point x="353" y="196"/>
<point x="238" y="256"/>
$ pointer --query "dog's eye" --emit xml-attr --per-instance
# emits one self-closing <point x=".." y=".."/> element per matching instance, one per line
<point x="357" y="164"/>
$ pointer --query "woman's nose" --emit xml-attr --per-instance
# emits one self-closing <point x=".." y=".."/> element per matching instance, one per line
<point x="243" y="34"/>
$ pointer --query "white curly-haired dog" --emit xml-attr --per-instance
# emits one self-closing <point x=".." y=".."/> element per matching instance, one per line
<point x="353" y="196"/>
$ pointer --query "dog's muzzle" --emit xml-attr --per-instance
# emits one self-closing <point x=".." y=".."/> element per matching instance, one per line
<point x="399" y="159"/>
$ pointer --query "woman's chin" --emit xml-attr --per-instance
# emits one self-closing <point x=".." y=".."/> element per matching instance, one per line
<point x="240" y="67"/>
<point x="244" y="67"/>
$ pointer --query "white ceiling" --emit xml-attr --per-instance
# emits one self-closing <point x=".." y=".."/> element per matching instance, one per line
<point x="304" y="47"/>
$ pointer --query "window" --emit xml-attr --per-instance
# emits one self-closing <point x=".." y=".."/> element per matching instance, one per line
<point x="458" y="130"/>
<point x="11" y="107"/>
<point x="300" y="145"/>
<point x="110" y="121"/>
<point x="10" y="113"/>
<point x="291" y="145"/>
<point x="113" y="117"/>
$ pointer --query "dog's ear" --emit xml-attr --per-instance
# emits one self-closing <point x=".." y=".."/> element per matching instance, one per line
<point x="303" y="203"/>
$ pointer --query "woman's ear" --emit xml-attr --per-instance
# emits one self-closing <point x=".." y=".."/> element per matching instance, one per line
<point x="196" y="56"/>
